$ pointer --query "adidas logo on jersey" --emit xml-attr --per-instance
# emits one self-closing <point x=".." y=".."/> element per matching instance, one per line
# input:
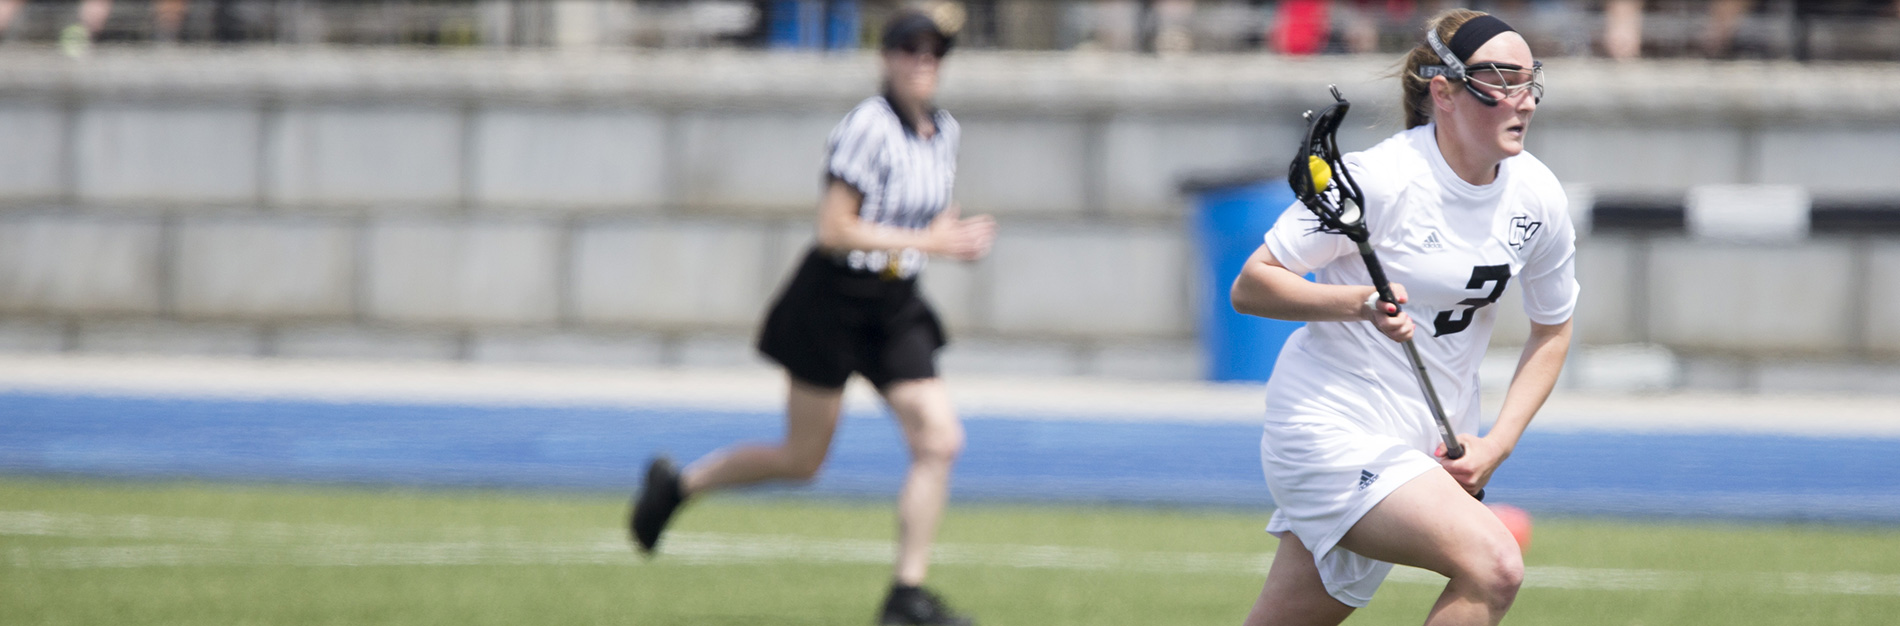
<point x="1431" y="241"/>
<point x="1365" y="479"/>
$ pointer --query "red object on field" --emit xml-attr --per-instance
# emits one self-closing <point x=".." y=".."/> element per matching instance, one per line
<point x="1301" y="27"/>
<point x="1517" y="521"/>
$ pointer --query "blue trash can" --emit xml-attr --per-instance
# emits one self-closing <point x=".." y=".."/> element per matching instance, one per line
<point x="796" y="24"/>
<point x="813" y="24"/>
<point x="1231" y="216"/>
<point x="842" y="25"/>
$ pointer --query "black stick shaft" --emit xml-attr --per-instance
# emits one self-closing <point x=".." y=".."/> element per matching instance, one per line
<point x="1453" y="449"/>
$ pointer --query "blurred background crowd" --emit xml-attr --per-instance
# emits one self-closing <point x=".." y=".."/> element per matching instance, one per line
<point x="1620" y="29"/>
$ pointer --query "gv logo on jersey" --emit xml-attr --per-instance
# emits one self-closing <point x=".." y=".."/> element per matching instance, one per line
<point x="1522" y="229"/>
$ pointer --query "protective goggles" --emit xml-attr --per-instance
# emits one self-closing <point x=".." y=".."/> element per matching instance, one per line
<point x="1489" y="82"/>
<point x="1503" y="81"/>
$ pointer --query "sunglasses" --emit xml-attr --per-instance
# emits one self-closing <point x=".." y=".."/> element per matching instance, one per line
<point x="919" y="45"/>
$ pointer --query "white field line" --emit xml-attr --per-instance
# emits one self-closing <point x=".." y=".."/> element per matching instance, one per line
<point x="203" y="542"/>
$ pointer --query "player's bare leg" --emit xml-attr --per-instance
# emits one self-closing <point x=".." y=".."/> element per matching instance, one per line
<point x="1430" y="522"/>
<point x="811" y="418"/>
<point x="1294" y="594"/>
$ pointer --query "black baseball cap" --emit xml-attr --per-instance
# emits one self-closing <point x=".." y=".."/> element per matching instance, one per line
<point x="913" y="31"/>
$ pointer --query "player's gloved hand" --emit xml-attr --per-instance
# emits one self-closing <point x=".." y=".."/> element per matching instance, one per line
<point x="1380" y="313"/>
<point x="1473" y="470"/>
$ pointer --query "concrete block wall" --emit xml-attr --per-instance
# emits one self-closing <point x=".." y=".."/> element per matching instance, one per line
<point x="1076" y="281"/>
<point x="1834" y="158"/>
<point x="366" y="155"/>
<point x="461" y="271"/>
<point x="35" y="162"/>
<point x="644" y="210"/>
<point x="81" y="265"/>
<point x="587" y="157"/>
<point x="252" y="267"/>
<point x="681" y="274"/>
<point x="166" y="153"/>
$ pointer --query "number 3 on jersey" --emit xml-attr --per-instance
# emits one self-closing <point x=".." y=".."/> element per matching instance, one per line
<point x="1445" y="324"/>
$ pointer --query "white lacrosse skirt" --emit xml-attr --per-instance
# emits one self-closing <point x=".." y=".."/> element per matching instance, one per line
<point x="1330" y="454"/>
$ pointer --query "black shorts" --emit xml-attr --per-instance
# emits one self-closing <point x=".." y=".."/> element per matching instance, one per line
<point x="830" y="321"/>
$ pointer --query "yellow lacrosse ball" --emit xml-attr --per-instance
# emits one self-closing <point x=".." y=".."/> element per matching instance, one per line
<point x="1322" y="173"/>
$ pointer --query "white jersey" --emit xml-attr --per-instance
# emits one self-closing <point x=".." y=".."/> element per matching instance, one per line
<point x="1456" y="247"/>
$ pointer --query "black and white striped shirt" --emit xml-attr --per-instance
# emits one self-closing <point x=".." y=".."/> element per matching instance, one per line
<point x="905" y="178"/>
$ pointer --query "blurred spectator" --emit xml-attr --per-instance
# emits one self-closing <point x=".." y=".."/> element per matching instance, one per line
<point x="1107" y="25"/>
<point x="1623" y="29"/>
<point x="1629" y="29"/>
<point x="1550" y="25"/>
<point x="8" y="9"/>
<point x="1364" y="23"/>
<point x="1301" y="27"/>
<point x="1174" y="26"/>
<point x="1623" y="23"/>
<point x="1718" y="36"/>
<point x="76" y="38"/>
<point x="168" y="17"/>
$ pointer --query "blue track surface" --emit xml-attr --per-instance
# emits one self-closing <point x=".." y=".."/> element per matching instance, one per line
<point x="1743" y="476"/>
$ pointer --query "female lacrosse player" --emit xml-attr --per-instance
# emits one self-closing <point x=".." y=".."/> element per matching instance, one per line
<point x="853" y="306"/>
<point x="1457" y="211"/>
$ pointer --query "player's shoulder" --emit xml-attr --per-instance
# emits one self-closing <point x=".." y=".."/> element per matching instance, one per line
<point x="1399" y="156"/>
<point x="1537" y="181"/>
<point x="1532" y="172"/>
<point x="1390" y="165"/>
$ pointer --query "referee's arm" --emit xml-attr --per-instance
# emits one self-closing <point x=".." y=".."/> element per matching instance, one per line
<point x="840" y="229"/>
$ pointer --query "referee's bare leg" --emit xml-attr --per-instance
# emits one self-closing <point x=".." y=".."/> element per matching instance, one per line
<point x="935" y="437"/>
<point x="811" y="418"/>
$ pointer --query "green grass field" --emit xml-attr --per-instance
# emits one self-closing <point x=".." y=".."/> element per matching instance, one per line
<point x="74" y="552"/>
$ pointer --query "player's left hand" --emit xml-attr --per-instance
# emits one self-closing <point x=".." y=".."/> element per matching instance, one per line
<point x="1473" y="469"/>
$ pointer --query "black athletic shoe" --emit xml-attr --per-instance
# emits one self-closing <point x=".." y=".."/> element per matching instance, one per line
<point x="916" y="605"/>
<point x="655" y="505"/>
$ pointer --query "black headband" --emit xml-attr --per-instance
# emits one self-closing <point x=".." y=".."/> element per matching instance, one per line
<point x="1473" y="35"/>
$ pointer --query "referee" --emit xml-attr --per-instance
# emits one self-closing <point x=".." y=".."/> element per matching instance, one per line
<point x="853" y="306"/>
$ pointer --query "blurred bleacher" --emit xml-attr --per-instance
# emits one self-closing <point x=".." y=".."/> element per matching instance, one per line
<point x="1825" y="30"/>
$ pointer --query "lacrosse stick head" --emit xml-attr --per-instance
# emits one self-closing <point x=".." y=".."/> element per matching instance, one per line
<point x="1319" y="177"/>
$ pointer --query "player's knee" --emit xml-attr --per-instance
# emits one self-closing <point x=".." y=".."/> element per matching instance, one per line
<point x="1508" y="578"/>
<point x="1500" y="574"/>
<point x="1494" y="570"/>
